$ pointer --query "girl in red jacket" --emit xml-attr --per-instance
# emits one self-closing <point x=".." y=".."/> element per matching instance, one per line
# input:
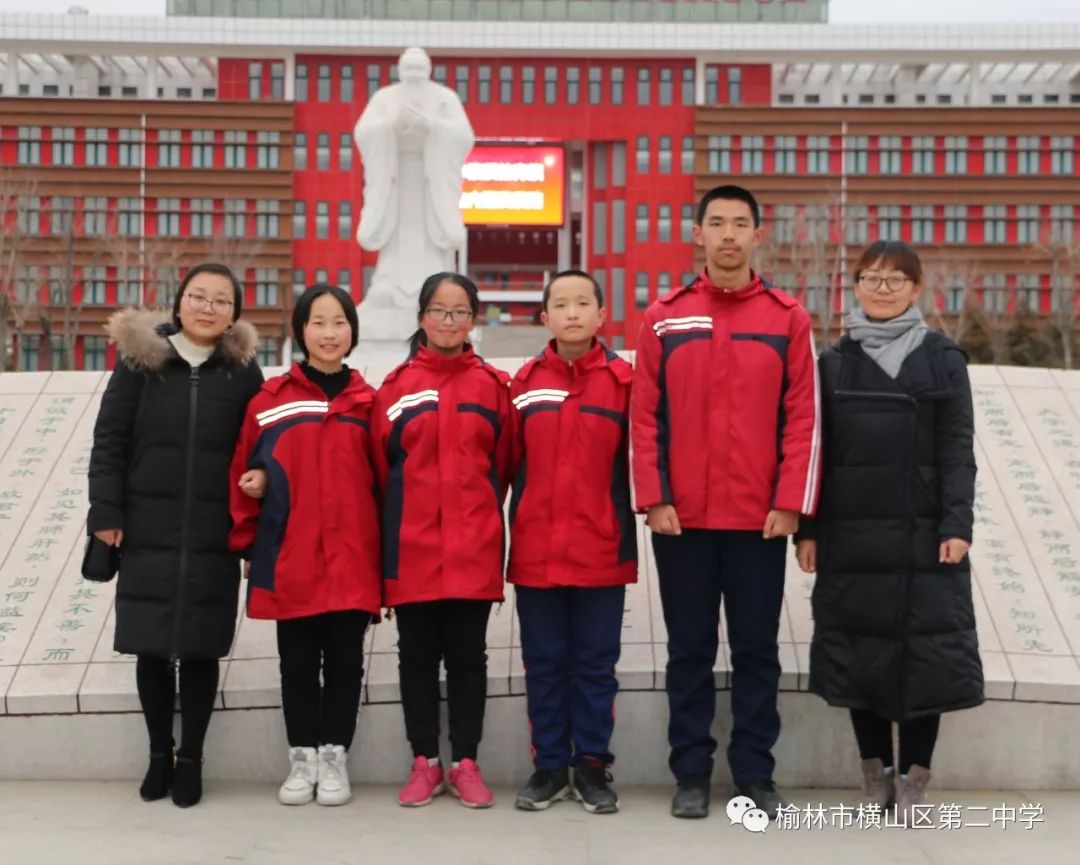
<point x="313" y="540"/>
<point x="573" y="544"/>
<point x="441" y="429"/>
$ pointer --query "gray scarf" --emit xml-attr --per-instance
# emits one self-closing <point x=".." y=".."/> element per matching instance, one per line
<point x="888" y="342"/>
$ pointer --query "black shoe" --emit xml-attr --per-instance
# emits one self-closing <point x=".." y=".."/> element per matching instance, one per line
<point x="544" y="787"/>
<point x="592" y="787"/>
<point x="187" y="783"/>
<point x="159" y="778"/>
<point x="764" y="794"/>
<point x="691" y="800"/>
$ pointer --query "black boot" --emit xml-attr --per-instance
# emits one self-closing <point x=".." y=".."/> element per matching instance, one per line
<point x="592" y="787"/>
<point x="544" y="787"/>
<point x="691" y="798"/>
<point x="187" y="785"/>
<point x="764" y="794"/>
<point x="159" y="777"/>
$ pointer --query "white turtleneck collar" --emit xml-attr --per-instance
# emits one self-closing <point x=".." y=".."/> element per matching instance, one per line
<point x="195" y="355"/>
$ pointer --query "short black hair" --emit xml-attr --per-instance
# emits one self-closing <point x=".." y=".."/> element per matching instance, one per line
<point x="598" y="292"/>
<point x="219" y="270"/>
<point x="728" y="192"/>
<point x="301" y="314"/>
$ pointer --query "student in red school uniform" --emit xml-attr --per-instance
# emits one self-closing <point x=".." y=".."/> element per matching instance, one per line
<point x="573" y="544"/>
<point x="312" y="539"/>
<point x="441" y="437"/>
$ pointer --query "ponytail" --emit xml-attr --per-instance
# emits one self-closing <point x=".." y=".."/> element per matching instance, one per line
<point x="417" y="341"/>
<point x="427" y="291"/>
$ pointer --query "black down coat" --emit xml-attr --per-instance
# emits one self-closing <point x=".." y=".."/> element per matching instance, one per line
<point x="894" y="630"/>
<point x="159" y="470"/>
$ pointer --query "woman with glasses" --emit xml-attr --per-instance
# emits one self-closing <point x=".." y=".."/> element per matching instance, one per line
<point x="159" y="490"/>
<point x="894" y="624"/>
<point x="441" y="435"/>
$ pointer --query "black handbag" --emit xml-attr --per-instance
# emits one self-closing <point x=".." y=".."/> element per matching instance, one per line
<point x="100" y="561"/>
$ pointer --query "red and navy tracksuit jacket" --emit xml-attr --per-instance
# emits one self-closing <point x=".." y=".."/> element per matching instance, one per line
<point x="313" y="539"/>
<point x="571" y="521"/>
<point x="441" y="431"/>
<point x="725" y="409"/>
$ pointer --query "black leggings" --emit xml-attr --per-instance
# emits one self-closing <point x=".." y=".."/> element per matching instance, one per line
<point x="156" y="681"/>
<point x="333" y="644"/>
<point x="455" y="632"/>
<point x="917" y="738"/>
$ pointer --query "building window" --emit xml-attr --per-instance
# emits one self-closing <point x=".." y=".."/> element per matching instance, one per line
<point x="202" y="217"/>
<point x="255" y="71"/>
<point x="97" y="148"/>
<point x="712" y="85"/>
<point x="269" y="352"/>
<point x="922" y="154"/>
<point x="322" y="275"/>
<point x="322" y="93"/>
<point x="299" y="220"/>
<point x="62" y="216"/>
<point x="29" y="214"/>
<point x="994" y="154"/>
<point x="687" y="155"/>
<point x="599" y="173"/>
<point x="322" y="222"/>
<point x="784" y="154"/>
<point x="506" y="84"/>
<point x="618" y="163"/>
<point x="889" y="225"/>
<point x="344" y="280"/>
<point x="734" y="86"/>
<point x="374" y="79"/>
<point x="128" y="217"/>
<point x="322" y="151"/>
<point x="438" y="73"/>
<point x="663" y="223"/>
<point x="30" y="353"/>
<point x="1028" y="293"/>
<point x="719" y="150"/>
<point x="956" y="223"/>
<point x="266" y="286"/>
<point x="29" y="151"/>
<point x="94" y="286"/>
<point x="266" y="218"/>
<point x="956" y="161"/>
<point x="94" y="353"/>
<point x="483" y="84"/>
<point x="63" y="145"/>
<point x="298" y="282"/>
<point x="1027" y="154"/>
<point x="922" y="224"/>
<point x="618" y="227"/>
<point x="1061" y="154"/>
<point x="344" y="220"/>
<point x="461" y="82"/>
<point x="617" y="82"/>
<point x="551" y="85"/>
<point x="786" y="99"/>
<point x="644" y="85"/>
<point x="130" y="148"/>
<point x="347" y="87"/>
<point x="641" y="289"/>
<point x="277" y="81"/>
<point x="573" y="85"/>
<point x="753" y="154"/>
<point x="994" y="216"/>
<point x="168" y="148"/>
<point x="889" y="154"/>
<point x="1027" y="223"/>
<point x="168" y="217"/>
<point x="345" y="152"/>
<point x="641" y="224"/>
<point x="300" y="151"/>
<point x="202" y="148"/>
<point x="643" y="154"/>
<point x="268" y="153"/>
<point x="1062" y="227"/>
<point x="858" y="154"/>
<point x="663" y="154"/>
<point x="528" y="85"/>
<point x="688" y="83"/>
<point x="856" y="227"/>
<point x="127" y="286"/>
<point x="95" y="217"/>
<point x="301" y="82"/>
<point x="783" y="228"/>
<point x="235" y="149"/>
<point x="666" y="95"/>
<point x="995" y="293"/>
<point x="596" y="85"/>
<point x="599" y="228"/>
<point x="235" y="217"/>
<point x="686" y="223"/>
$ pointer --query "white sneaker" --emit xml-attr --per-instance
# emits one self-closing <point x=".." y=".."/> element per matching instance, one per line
<point x="299" y="787"/>
<point x="333" y="776"/>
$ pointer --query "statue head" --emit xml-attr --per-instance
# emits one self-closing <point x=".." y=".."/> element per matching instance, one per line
<point x="414" y="66"/>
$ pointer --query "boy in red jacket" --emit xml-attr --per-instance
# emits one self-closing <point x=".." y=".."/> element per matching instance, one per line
<point x="312" y="541"/>
<point x="726" y="436"/>
<point x="573" y="545"/>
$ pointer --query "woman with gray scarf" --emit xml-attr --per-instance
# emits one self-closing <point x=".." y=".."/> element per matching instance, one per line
<point x="894" y="623"/>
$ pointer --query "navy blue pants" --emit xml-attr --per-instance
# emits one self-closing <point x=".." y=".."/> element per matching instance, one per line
<point x="697" y="569"/>
<point x="570" y="641"/>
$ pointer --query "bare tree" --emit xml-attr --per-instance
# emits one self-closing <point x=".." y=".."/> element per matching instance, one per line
<point x="1061" y="247"/>
<point x="18" y="301"/>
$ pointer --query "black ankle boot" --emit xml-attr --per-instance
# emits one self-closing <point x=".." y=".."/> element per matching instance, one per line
<point x="187" y="784"/>
<point x="159" y="777"/>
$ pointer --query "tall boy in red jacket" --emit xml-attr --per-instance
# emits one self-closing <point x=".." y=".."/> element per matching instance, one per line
<point x="726" y="437"/>
<point x="573" y="544"/>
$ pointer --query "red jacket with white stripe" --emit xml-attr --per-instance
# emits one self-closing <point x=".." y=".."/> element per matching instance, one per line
<point x="725" y="410"/>
<point x="313" y="539"/>
<point x="571" y="522"/>
<point x="441" y="431"/>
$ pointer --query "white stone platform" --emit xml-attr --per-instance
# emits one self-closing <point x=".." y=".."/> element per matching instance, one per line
<point x="60" y="679"/>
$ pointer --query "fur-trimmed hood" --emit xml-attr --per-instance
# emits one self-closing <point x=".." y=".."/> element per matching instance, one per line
<point x="142" y="336"/>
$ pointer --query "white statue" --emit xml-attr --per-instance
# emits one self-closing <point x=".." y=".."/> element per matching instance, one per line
<point x="413" y="138"/>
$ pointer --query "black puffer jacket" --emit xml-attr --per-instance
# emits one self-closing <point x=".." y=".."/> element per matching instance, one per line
<point x="159" y="470"/>
<point x="894" y="630"/>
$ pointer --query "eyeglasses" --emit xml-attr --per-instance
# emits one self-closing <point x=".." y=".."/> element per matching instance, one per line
<point x="893" y="282"/>
<point x="201" y="301"/>
<point x="459" y="315"/>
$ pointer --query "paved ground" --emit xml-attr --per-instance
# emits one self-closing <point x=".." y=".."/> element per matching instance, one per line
<point x="89" y="823"/>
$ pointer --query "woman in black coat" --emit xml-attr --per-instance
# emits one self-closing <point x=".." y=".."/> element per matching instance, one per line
<point x="159" y="470"/>
<point x="894" y="623"/>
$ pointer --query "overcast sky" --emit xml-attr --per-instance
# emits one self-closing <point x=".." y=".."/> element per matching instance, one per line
<point x="840" y="10"/>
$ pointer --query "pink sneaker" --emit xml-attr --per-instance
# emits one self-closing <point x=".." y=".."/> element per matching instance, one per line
<point x="424" y="784"/>
<point x="467" y="784"/>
